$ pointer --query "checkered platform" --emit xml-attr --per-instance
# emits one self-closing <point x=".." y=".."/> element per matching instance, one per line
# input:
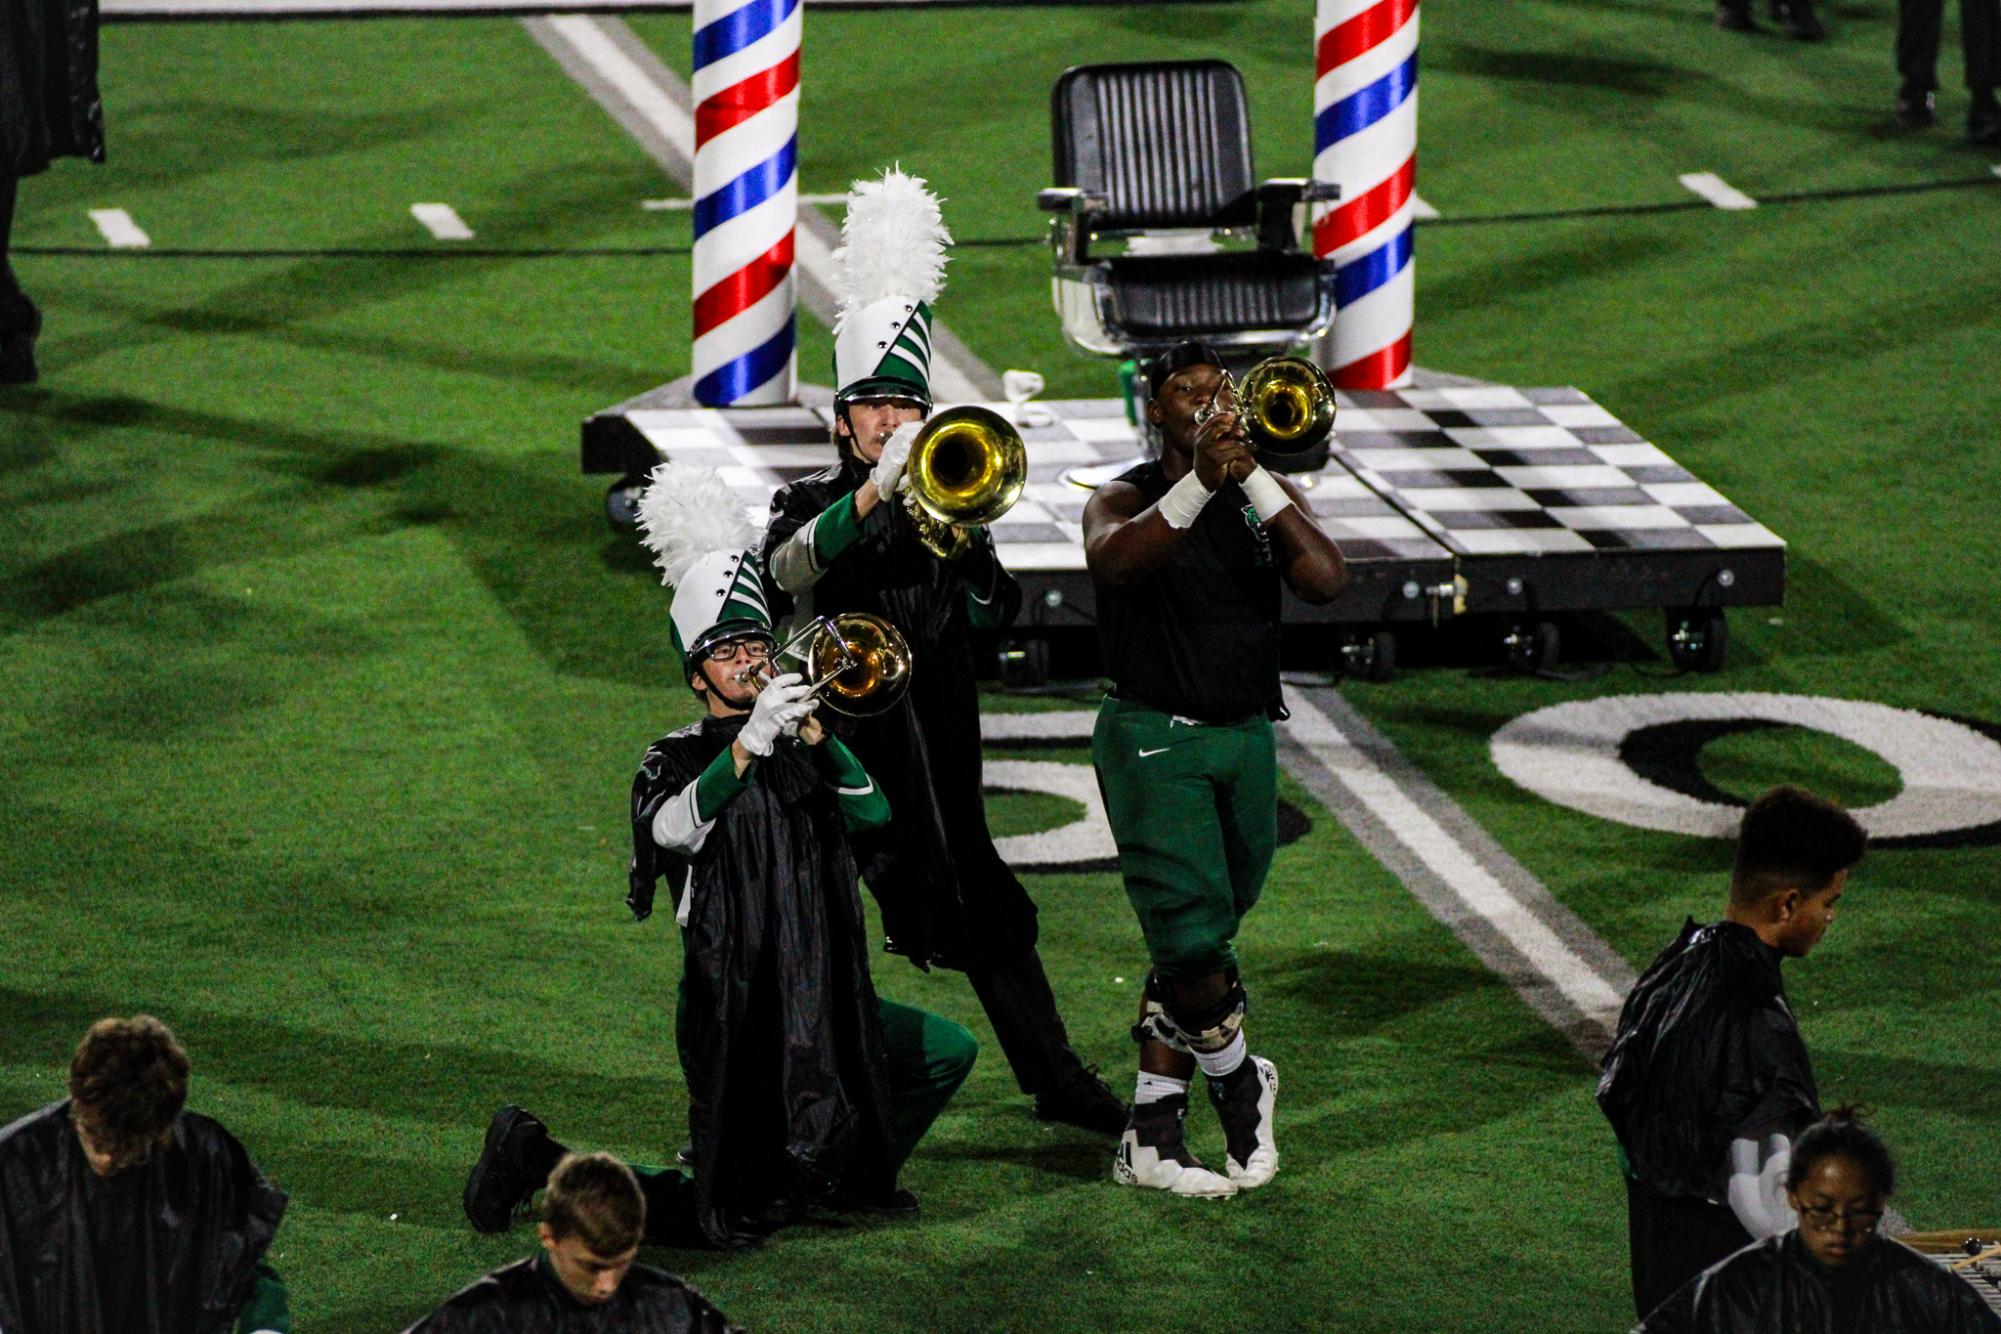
<point x="1495" y="471"/>
<point x="1416" y="475"/>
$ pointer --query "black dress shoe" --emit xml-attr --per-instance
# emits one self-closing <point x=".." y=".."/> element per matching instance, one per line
<point x="502" y="1180"/>
<point x="20" y="325"/>
<point x="1983" y="123"/>
<point x="1798" y="19"/>
<point x="1084" y="1100"/>
<point x="897" y="1202"/>
<point x="1736" y="18"/>
<point x="1916" y="107"/>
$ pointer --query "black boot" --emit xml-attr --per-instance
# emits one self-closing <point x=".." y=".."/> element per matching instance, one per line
<point x="20" y="325"/>
<point x="1735" y="16"/>
<point x="1916" y="107"/>
<point x="1983" y="120"/>
<point x="1798" y="19"/>
<point x="1084" y="1100"/>
<point x="517" y="1159"/>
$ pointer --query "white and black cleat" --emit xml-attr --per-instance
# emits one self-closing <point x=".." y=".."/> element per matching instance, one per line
<point x="1244" y="1102"/>
<point x="1152" y="1153"/>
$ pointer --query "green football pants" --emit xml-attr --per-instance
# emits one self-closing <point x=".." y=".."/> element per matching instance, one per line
<point x="1194" y="809"/>
<point x="268" y="1306"/>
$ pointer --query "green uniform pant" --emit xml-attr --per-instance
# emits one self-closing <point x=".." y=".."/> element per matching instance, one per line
<point x="1194" y="809"/>
<point x="268" y="1307"/>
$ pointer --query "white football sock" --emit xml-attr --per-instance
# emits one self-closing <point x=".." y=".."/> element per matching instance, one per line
<point x="1217" y="1064"/>
<point x="1157" y="1088"/>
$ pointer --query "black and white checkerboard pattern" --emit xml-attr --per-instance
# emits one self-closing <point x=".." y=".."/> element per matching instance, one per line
<point x="759" y="450"/>
<point x="1416" y="475"/>
<point x="1497" y="471"/>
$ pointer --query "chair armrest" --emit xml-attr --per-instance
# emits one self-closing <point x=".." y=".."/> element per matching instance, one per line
<point x="1075" y="209"/>
<point x="1277" y="198"/>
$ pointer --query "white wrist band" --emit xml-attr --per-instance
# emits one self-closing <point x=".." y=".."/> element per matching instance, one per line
<point x="1184" y="500"/>
<point x="1267" y="497"/>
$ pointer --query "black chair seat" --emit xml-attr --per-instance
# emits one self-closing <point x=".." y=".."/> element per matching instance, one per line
<point x="1164" y="297"/>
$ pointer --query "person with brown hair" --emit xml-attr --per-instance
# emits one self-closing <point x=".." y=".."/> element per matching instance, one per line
<point x="586" y="1277"/>
<point x="120" y="1211"/>
<point x="1707" y="1080"/>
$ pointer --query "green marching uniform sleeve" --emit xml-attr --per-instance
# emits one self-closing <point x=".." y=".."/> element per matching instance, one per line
<point x="719" y="783"/>
<point x="980" y="570"/>
<point x="268" y="1307"/>
<point x="837" y="529"/>
<point x="863" y="806"/>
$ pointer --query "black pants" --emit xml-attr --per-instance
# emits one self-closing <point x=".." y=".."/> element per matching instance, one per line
<point x="1022" y="1010"/>
<point x="9" y="288"/>
<point x="1918" y="39"/>
<point x="1674" y="1239"/>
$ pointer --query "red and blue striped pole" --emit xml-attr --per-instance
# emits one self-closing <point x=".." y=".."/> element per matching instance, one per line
<point x="746" y="198"/>
<point x="1365" y="140"/>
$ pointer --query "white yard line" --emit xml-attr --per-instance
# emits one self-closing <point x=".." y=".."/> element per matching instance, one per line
<point x="442" y="221"/>
<point x="1423" y="211"/>
<point x="1716" y="190"/>
<point x="118" y="229"/>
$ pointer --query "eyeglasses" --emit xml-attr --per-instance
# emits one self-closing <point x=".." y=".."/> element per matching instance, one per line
<point x="732" y="649"/>
<point x="1827" y="1219"/>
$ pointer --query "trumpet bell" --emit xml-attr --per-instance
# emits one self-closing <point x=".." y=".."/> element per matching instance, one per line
<point x="860" y="662"/>
<point x="1287" y="406"/>
<point x="967" y="467"/>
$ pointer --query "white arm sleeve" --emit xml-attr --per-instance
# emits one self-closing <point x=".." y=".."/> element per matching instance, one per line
<point x="678" y="826"/>
<point x="792" y="565"/>
<point x="1757" y="1184"/>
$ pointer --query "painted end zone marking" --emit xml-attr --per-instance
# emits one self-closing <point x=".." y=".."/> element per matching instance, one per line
<point x="1497" y="909"/>
<point x="1716" y="190"/>
<point x="442" y="221"/>
<point x="118" y="229"/>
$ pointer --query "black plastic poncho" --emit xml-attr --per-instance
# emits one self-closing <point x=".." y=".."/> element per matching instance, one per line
<point x="780" y="1035"/>
<point x="1775" y="1285"/>
<point x="49" y="103"/>
<point x="525" y="1298"/>
<point x="946" y="895"/>
<point x="1706" y="1052"/>
<point x="168" y="1247"/>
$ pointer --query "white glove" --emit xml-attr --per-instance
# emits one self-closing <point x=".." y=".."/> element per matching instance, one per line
<point x="895" y="453"/>
<point x="780" y="703"/>
<point x="796" y="716"/>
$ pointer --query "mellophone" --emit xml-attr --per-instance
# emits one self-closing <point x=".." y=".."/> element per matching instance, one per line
<point x="1974" y="1254"/>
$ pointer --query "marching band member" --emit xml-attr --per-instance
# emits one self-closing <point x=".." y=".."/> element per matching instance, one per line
<point x="1707" y="1080"/>
<point x="805" y="1089"/>
<point x="1188" y="553"/>
<point x="835" y="544"/>
<point x="1833" y="1273"/>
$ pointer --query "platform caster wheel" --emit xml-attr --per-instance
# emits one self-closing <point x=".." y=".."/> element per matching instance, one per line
<point x="1697" y="640"/>
<point x="1371" y="656"/>
<point x="621" y="503"/>
<point x="1532" y="646"/>
<point x="1024" y="664"/>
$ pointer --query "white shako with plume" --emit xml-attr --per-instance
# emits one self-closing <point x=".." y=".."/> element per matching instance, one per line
<point x="889" y="269"/>
<point x="706" y="547"/>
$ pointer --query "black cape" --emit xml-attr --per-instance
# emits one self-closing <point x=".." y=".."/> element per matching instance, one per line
<point x="49" y="104"/>
<point x="1775" y="1285"/>
<point x="525" y="1298"/>
<point x="946" y="895"/>
<point x="1706" y="1051"/>
<point x="780" y="1036"/>
<point x="169" y="1247"/>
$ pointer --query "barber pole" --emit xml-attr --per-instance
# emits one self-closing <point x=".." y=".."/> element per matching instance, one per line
<point x="1365" y="141"/>
<point x="746" y="92"/>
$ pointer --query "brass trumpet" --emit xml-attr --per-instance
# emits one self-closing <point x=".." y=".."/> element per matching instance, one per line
<point x="1285" y="404"/>
<point x="856" y="661"/>
<point x="967" y="467"/>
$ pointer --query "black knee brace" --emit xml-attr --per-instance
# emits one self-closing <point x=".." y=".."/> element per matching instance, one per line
<point x="1202" y="1028"/>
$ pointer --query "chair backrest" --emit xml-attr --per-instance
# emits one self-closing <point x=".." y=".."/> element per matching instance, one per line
<point x="1168" y="143"/>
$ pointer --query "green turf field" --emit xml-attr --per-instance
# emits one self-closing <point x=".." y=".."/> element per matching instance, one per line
<point x="324" y="677"/>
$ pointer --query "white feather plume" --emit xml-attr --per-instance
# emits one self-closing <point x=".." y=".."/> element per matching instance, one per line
<point x="893" y="243"/>
<point x="686" y="512"/>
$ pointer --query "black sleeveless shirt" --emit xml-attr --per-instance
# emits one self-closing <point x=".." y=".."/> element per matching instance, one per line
<point x="1199" y="636"/>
